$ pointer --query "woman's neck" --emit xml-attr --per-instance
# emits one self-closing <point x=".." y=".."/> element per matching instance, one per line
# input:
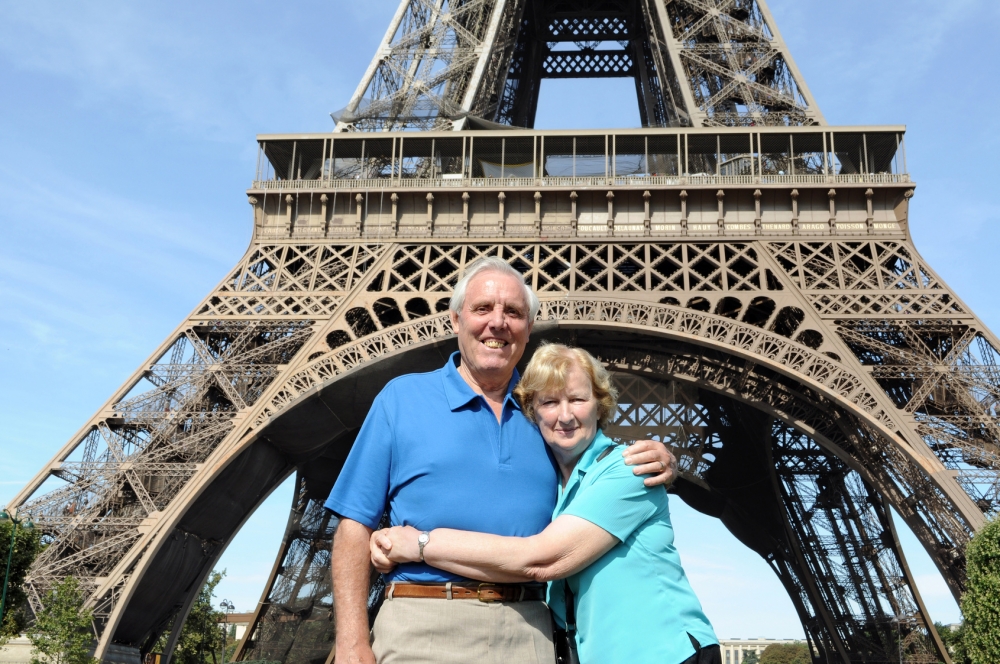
<point x="566" y="468"/>
<point x="567" y="459"/>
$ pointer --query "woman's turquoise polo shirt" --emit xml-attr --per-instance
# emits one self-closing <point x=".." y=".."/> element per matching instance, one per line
<point x="634" y="604"/>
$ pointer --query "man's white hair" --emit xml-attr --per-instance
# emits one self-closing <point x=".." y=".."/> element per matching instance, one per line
<point x="491" y="264"/>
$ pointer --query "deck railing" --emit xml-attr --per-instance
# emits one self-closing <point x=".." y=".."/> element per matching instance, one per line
<point x="361" y="184"/>
<point x="585" y="158"/>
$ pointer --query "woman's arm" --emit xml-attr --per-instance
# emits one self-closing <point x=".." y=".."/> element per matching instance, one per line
<point x="566" y="546"/>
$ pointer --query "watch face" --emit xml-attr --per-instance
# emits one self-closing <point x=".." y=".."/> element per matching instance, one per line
<point x="422" y="539"/>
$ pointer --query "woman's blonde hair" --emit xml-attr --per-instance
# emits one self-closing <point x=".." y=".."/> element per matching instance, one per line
<point x="548" y="369"/>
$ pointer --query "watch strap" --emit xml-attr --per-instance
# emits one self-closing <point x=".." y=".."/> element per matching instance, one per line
<point x="422" y="541"/>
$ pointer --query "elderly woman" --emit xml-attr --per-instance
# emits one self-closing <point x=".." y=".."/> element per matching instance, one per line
<point x="616" y="578"/>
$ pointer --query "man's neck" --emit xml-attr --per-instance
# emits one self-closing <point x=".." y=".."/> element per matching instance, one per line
<point x="493" y="388"/>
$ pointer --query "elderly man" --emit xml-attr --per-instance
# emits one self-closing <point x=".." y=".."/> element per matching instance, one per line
<point x="451" y="448"/>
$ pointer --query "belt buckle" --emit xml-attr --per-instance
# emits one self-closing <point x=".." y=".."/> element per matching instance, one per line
<point x="487" y="600"/>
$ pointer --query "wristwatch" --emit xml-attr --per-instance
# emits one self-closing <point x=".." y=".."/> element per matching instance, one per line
<point x="422" y="540"/>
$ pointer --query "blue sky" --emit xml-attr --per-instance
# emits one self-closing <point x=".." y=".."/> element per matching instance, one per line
<point x="127" y="143"/>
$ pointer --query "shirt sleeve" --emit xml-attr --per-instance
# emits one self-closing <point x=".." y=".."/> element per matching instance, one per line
<point x="362" y="487"/>
<point x="616" y="500"/>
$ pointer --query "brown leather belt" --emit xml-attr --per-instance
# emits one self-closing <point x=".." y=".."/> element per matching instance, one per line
<point x="484" y="592"/>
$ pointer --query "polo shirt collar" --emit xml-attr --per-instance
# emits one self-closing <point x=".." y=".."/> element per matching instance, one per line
<point x="589" y="458"/>
<point x="459" y="393"/>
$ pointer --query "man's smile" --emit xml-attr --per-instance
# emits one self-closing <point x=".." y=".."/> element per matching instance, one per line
<point x="494" y="343"/>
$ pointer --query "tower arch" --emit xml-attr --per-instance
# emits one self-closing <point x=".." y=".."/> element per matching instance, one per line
<point x="803" y="418"/>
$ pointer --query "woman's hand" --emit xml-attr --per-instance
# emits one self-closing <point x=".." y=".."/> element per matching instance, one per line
<point x="391" y="546"/>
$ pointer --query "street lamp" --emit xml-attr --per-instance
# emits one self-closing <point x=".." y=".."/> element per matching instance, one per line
<point x="226" y="606"/>
<point x="6" y="517"/>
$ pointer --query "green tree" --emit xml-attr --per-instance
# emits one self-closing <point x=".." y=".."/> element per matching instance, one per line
<point x="201" y="638"/>
<point x="750" y="657"/>
<point x="952" y="639"/>
<point x="63" y="632"/>
<point x="27" y="544"/>
<point x="981" y="601"/>
<point x="786" y="653"/>
<point x="231" y="643"/>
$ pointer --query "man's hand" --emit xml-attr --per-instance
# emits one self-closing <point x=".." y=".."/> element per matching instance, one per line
<point x="391" y="546"/>
<point x="379" y="546"/>
<point x="651" y="457"/>
<point x="361" y="654"/>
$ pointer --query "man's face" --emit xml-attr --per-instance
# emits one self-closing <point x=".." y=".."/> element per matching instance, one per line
<point x="493" y="325"/>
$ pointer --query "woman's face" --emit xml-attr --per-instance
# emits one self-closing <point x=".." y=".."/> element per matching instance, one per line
<point x="568" y="418"/>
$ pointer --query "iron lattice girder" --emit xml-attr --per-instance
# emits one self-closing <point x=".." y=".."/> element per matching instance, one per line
<point x="842" y="528"/>
<point x="581" y="27"/>
<point x="740" y="87"/>
<point x="695" y="63"/>
<point x="137" y="461"/>
<point x="587" y="63"/>
<point x="298" y="595"/>
<point x="943" y="373"/>
<point x="421" y="67"/>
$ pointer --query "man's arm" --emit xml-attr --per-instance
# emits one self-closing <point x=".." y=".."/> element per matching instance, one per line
<point x="566" y="546"/>
<point x="359" y="499"/>
<point x="351" y="570"/>
<point x="651" y="457"/>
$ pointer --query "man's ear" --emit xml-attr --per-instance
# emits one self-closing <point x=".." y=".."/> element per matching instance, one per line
<point x="454" y="320"/>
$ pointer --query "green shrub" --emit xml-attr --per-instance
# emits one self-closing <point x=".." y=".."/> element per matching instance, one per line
<point x="27" y="544"/>
<point x="952" y="639"/>
<point x="981" y="602"/>
<point x="786" y="653"/>
<point x="63" y="632"/>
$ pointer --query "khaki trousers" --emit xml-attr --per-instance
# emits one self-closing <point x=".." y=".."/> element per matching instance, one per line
<point x="459" y="631"/>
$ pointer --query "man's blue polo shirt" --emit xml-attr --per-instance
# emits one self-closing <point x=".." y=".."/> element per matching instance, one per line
<point x="433" y="448"/>
<point x="633" y="604"/>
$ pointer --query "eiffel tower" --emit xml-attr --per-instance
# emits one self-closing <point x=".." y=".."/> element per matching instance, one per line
<point x="744" y="269"/>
